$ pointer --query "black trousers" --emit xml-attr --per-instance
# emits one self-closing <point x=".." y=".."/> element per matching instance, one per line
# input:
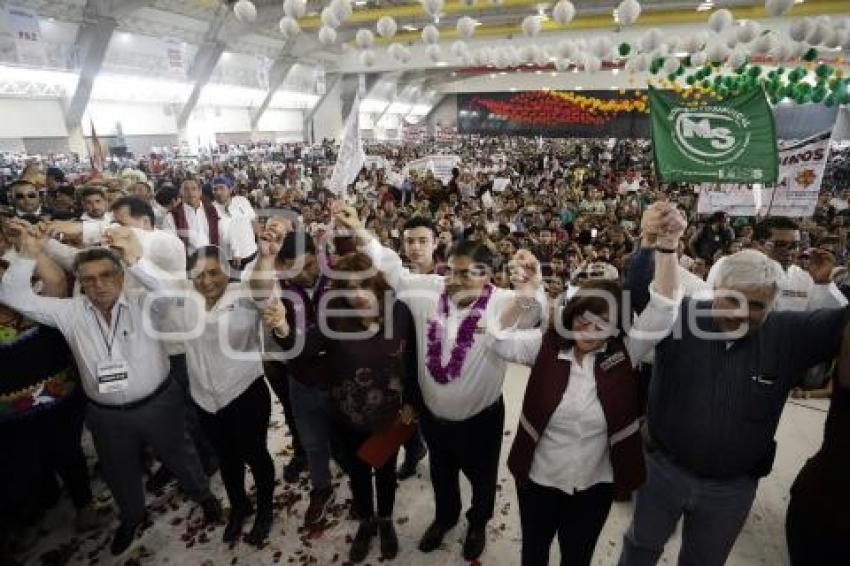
<point x="577" y="519"/>
<point x="180" y="374"/>
<point x="36" y="449"/>
<point x="348" y="442"/>
<point x="816" y="536"/>
<point x="278" y="376"/>
<point x="473" y="447"/>
<point x="238" y="435"/>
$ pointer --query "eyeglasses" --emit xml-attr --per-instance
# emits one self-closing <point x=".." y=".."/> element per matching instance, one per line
<point x="784" y="245"/>
<point x="21" y="196"/>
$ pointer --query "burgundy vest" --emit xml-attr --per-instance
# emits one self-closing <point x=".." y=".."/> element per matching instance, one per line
<point x="617" y="389"/>
<point x="182" y="224"/>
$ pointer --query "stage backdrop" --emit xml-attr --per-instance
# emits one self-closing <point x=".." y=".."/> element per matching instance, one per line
<point x="586" y="114"/>
<point x="600" y="114"/>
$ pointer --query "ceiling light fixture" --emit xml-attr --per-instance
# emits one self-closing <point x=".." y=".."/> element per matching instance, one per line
<point x="705" y="6"/>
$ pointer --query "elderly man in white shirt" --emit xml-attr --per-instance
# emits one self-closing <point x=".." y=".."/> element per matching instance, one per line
<point x="124" y="373"/>
<point x="464" y="417"/>
<point x="221" y="324"/>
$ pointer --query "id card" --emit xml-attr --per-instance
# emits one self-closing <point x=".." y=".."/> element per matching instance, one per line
<point x="112" y="376"/>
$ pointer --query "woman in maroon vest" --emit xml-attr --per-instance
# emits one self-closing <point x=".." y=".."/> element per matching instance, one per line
<point x="579" y="432"/>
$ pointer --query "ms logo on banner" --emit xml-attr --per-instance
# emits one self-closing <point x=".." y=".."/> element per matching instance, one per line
<point x="718" y="136"/>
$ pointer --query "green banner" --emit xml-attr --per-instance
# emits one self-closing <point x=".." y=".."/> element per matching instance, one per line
<point x="726" y="141"/>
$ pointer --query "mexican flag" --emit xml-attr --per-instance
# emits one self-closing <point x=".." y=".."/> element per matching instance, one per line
<point x="727" y="141"/>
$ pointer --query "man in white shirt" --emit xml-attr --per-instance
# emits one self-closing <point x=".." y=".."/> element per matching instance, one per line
<point x="228" y="204"/>
<point x="124" y="373"/>
<point x="95" y="215"/>
<point x="464" y="414"/>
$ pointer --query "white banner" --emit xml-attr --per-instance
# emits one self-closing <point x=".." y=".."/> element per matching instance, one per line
<point x="801" y="167"/>
<point x="23" y="24"/>
<point x="351" y="155"/>
<point x="440" y="165"/>
<point x="175" y="54"/>
<point x="379" y="161"/>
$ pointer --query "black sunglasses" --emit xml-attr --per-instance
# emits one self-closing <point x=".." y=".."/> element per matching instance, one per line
<point x="21" y="196"/>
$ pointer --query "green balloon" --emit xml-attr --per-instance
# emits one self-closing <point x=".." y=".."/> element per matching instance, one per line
<point x="691" y="80"/>
<point x="810" y="55"/>
<point x="804" y="87"/>
<point x="624" y="49"/>
<point x="771" y="75"/>
<point x="830" y="100"/>
<point x="728" y="81"/>
<point x="823" y="70"/>
<point x="718" y="79"/>
<point x="754" y="71"/>
<point x="818" y="95"/>
<point x="671" y="77"/>
<point x="722" y="91"/>
<point x="780" y="70"/>
<point x="774" y="100"/>
<point x="706" y="84"/>
<point x="680" y="71"/>
<point x="686" y="62"/>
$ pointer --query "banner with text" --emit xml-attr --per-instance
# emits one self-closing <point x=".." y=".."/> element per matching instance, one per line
<point x="440" y="165"/>
<point x="801" y="167"/>
<point x="29" y="45"/>
<point x="728" y="141"/>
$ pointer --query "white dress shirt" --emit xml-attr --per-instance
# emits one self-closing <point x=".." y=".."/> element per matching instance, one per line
<point x="483" y="373"/>
<point x="797" y="291"/>
<point x="238" y="207"/>
<point x="223" y="344"/>
<point x="77" y="319"/>
<point x="93" y="228"/>
<point x="236" y="235"/>
<point x="572" y="454"/>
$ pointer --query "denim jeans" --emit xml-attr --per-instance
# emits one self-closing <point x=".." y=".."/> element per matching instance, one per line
<point x="714" y="513"/>
<point x="311" y="409"/>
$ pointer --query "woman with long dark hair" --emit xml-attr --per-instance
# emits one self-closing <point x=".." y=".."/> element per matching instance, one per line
<point x="370" y="342"/>
<point x="578" y="437"/>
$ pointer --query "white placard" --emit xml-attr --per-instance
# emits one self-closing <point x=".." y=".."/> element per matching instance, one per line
<point x="440" y="165"/>
<point x="500" y="184"/>
<point x="23" y="24"/>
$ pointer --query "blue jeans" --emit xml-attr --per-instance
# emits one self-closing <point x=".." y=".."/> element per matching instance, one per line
<point x="312" y="412"/>
<point x="714" y="513"/>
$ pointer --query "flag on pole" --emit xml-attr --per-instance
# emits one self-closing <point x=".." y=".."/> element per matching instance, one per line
<point x="351" y="155"/>
<point x="725" y="141"/>
<point x="96" y="156"/>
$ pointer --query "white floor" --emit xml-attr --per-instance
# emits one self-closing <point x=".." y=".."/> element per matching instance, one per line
<point x="175" y="539"/>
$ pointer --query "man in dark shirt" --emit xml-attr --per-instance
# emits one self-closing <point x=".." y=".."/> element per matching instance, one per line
<point x="720" y="382"/>
<point x="714" y="236"/>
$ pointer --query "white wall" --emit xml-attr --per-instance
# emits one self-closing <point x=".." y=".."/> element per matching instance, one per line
<point x="275" y="120"/>
<point x="136" y="119"/>
<point x="22" y="118"/>
<point x="328" y="120"/>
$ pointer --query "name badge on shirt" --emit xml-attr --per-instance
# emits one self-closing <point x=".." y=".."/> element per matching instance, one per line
<point x="112" y="376"/>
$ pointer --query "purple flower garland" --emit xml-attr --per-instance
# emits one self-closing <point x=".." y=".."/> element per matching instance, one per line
<point x="463" y="342"/>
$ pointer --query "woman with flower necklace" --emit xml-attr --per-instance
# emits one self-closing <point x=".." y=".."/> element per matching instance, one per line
<point x="579" y="436"/>
<point x="373" y="363"/>
<point x="460" y="376"/>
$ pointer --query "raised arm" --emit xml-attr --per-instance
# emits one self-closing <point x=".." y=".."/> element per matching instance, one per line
<point x="824" y="294"/>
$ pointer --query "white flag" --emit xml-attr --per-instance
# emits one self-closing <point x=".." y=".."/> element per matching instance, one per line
<point x="351" y="155"/>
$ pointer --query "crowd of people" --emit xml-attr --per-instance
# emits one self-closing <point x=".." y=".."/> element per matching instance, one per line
<point x="156" y="303"/>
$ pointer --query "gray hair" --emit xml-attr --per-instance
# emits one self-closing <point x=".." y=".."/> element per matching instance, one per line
<point x="748" y="269"/>
<point x="96" y="254"/>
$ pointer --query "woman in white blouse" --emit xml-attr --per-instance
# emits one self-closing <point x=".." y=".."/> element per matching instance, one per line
<point x="579" y="432"/>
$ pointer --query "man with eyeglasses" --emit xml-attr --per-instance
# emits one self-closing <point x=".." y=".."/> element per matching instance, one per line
<point x="26" y="199"/>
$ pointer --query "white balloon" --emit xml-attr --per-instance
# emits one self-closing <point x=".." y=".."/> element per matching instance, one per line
<point x="732" y="40"/>
<point x="342" y="9"/>
<point x="329" y="17"/>
<point x="364" y="39"/>
<point x="782" y="50"/>
<point x="367" y="58"/>
<point x="800" y="28"/>
<point x="433" y="7"/>
<point x="699" y="59"/>
<point x="628" y="12"/>
<point x="434" y="52"/>
<point x="641" y="63"/>
<point x="819" y="33"/>
<point x="502" y="59"/>
<point x="845" y="38"/>
<point x="245" y="11"/>
<point x="738" y="58"/>
<point x="459" y="49"/>
<point x="717" y="52"/>
<point x="289" y="26"/>
<point x="592" y="64"/>
<point x="532" y="25"/>
<point x="748" y="31"/>
<point x="327" y="35"/>
<point x="386" y="26"/>
<point x="778" y="8"/>
<point x="295" y="8"/>
<point x="530" y="53"/>
<point x="603" y="47"/>
<point x="720" y="20"/>
<point x="671" y="65"/>
<point x="763" y="44"/>
<point x="563" y="12"/>
<point x="693" y="42"/>
<point x="651" y="39"/>
<point x="566" y="49"/>
<point x="406" y="55"/>
<point x="661" y="51"/>
<point x="466" y="27"/>
<point x="514" y="56"/>
<point x="562" y="64"/>
<point x="543" y="57"/>
<point x="394" y="50"/>
<point x="833" y="39"/>
<point x="430" y="34"/>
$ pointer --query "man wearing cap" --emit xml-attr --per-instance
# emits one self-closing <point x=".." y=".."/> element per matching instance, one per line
<point x="228" y="204"/>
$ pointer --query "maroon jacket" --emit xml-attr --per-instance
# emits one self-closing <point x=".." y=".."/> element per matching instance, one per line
<point x="182" y="224"/>
<point x="617" y="388"/>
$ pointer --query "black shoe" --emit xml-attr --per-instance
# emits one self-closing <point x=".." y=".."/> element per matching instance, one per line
<point x="408" y="468"/>
<point x="235" y="521"/>
<point x="212" y="510"/>
<point x="476" y="538"/>
<point x="261" y="529"/>
<point x="433" y="537"/>
<point x="389" y="539"/>
<point x="123" y="537"/>
<point x="320" y="500"/>
<point x="161" y="478"/>
<point x="292" y="471"/>
<point x="362" y="541"/>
